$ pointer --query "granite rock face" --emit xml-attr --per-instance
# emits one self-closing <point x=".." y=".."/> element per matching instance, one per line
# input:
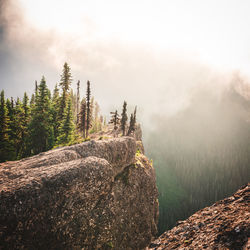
<point x="224" y="225"/>
<point x="94" y="195"/>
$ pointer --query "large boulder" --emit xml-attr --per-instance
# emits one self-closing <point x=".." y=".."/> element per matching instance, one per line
<point x="94" y="195"/>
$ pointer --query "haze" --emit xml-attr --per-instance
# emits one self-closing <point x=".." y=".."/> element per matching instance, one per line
<point x="185" y="64"/>
<point x="151" y="53"/>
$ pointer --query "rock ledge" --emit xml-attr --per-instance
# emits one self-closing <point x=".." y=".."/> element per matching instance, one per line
<point x="94" y="195"/>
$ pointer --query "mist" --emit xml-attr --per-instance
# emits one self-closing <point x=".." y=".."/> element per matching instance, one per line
<point x="185" y="66"/>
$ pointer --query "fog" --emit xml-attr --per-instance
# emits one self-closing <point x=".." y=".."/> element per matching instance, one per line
<point x="135" y="56"/>
<point x="185" y="65"/>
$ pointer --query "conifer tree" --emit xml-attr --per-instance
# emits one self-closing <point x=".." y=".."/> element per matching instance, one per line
<point x="24" y="151"/>
<point x="19" y="124"/>
<point x="65" y="83"/>
<point x="55" y="108"/>
<point x="32" y="100"/>
<point x="66" y="130"/>
<point x="88" y="113"/>
<point x="74" y="104"/>
<point x="77" y="102"/>
<point x="36" y="88"/>
<point x="63" y="101"/>
<point x="95" y="117"/>
<point x="124" y="118"/>
<point x="115" y="119"/>
<point x="4" y="130"/>
<point x="132" y="123"/>
<point x="11" y="115"/>
<point x="135" y="115"/>
<point x="82" y="118"/>
<point x="40" y="125"/>
<point x="101" y="123"/>
<point x="66" y="78"/>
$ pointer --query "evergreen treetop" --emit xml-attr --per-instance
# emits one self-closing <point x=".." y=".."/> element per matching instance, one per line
<point x="124" y="118"/>
<point x="66" y="78"/>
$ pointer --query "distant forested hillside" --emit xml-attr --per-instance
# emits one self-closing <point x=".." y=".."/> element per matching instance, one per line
<point x="201" y="154"/>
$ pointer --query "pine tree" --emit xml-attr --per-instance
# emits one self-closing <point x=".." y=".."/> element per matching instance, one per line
<point x="19" y="123"/>
<point x="77" y="102"/>
<point x="36" y="88"/>
<point x="65" y="83"/>
<point x="55" y="108"/>
<point x="73" y="97"/>
<point x="40" y="125"/>
<point x="24" y="151"/>
<point x="115" y="119"/>
<point x="88" y="105"/>
<point x="95" y="118"/>
<point x="101" y="123"/>
<point x="82" y="118"/>
<point x="135" y="115"/>
<point x="32" y="100"/>
<point x="11" y="115"/>
<point x="62" y="106"/>
<point x="132" y="123"/>
<point x="66" y="78"/>
<point x="124" y="118"/>
<point x="66" y="130"/>
<point x="4" y="130"/>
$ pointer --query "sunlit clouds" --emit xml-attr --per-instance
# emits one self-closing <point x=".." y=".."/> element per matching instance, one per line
<point x="151" y="53"/>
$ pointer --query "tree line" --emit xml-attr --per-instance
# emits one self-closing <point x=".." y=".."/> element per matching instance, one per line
<point x="46" y="121"/>
<point x="28" y="127"/>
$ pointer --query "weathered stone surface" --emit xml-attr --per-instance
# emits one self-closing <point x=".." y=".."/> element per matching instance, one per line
<point x="94" y="195"/>
<point x="224" y="225"/>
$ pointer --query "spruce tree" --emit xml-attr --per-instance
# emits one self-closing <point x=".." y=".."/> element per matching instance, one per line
<point x="19" y="124"/>
<point x="63" y="102"/>
<point x="65" y="83"/>
<point x="66" y="78"/>
<point x="24" y="151"/>
<point x="36" y="88"/>
<point x="32" y="100"/>
<point x="40" y="125"/>
<point x="66" y="130"/>
<point x="82" y="118"/>
<point x="124" y="118"/>
<point x="115" y="119"/>
<point x="11" y="115"/>
<point x="55" y="109"/>
<point x="77" y="102"/>
<point x="4" y="130"/>
<point x="95" y="117"/>
<point x="132" y="122"/>
<point x="88" y="105"/>
<point x="135" y="115"/>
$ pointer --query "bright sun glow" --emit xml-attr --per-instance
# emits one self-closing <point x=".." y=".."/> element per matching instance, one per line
<point x="216" y="31"/>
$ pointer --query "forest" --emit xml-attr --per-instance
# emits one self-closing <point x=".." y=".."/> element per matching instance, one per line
<point x="201" y="154"/>
<point x="46" y="121"/>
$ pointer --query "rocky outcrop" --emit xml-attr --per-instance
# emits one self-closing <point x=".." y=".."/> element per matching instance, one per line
<point x="94" y="195"/>
<point x="224" y="225"/>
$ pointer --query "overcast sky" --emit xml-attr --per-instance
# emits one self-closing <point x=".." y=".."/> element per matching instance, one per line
<point x="150" y="53"/>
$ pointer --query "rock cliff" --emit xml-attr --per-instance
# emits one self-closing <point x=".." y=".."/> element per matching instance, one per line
<point x="99" y="194"/>
<point x="224" y="225"/>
